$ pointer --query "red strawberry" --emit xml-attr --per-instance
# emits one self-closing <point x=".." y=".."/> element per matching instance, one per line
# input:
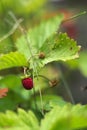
<point x="27" y="83"/>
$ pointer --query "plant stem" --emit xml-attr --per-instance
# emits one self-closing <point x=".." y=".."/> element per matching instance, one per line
<point x="66" y="85"/>
<point x="34" y="68"/>
<point x="75" y="16"/>
<point x="28" y="43"/>
<point x="33" y="57"/>
<point x="43" y="77"/>
<point x="34" y="95"/>
<point x="11" y="31"/>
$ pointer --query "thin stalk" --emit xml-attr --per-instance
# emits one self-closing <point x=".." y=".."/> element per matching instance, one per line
<point x="11" y="31"/>
<point x="41" y="99"/>
<point x="66" y="86"/>
<point x="34" y="68"/>
<point x="41" y="93"/>
<point x="43" y="77"/>
<point x="34" y="95"/>
<point x="75" y="16"/>
<point x="33" y="57"/>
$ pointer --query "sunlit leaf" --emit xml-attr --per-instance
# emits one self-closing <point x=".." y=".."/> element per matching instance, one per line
<point x="13" y="121"/>
<point x="55" y="46"/>
<point x="59" y="47"/>
<point x="38" y="35"/>
<point x="58" y="118"/>
<point x="12" y="59"/>
<point x="65" y="118"/>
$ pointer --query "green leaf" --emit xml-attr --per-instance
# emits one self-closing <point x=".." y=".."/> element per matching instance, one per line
<point x="59" y="47"/>
<point x="49" y="101"/>
<point x="29" y="119"/>
<point x="11" y="101"/>
<point x="16" y="92"/>
<point x="11" y="120"/>
<point x="79" y="116"/>
<point x="12" y="59"/>
<point x="65" y="118"/>
<point x="38" y="35"/>
<point x="58" y="119"/>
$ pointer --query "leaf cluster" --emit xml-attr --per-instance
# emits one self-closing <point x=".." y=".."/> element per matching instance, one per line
<point x="55" y="46"/>
<point x="68" y="117"/>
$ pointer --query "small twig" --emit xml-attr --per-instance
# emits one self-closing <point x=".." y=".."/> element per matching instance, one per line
<point x="11" y="31"/>
<point x="75" y="16"/>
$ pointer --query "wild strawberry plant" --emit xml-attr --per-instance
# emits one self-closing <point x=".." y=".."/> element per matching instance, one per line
<point x="36" y="48"/>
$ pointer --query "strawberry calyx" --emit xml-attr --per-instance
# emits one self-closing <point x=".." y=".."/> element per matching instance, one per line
<point x="53" y="82"/>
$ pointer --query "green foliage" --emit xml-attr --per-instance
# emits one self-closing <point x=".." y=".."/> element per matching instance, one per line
<point x="20" y="121"/>
<point x="55" y="46"/>
<point x="45" y="39"/>
<point x="38" y="35"/>
<point x="16" y="92"/>
<point x="49" y="101"/>
<point x="58" y="119"/>
<point x="29" y="6"/>
<point x="59" y="47"/>
<point x="11" y="101"/>
<point x="68" y="117"/>
<point x="12" y="59"/>
<point x="30" y="11"/>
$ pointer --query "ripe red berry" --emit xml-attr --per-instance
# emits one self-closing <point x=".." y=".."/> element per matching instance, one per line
<point x="27" y="83"/>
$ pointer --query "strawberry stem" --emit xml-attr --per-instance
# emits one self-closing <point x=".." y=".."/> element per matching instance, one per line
<point x="23" y="31"/>
<point x="43" y="77"/>
<point x="32" y="57"/>
<point x="25" y="73"/>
